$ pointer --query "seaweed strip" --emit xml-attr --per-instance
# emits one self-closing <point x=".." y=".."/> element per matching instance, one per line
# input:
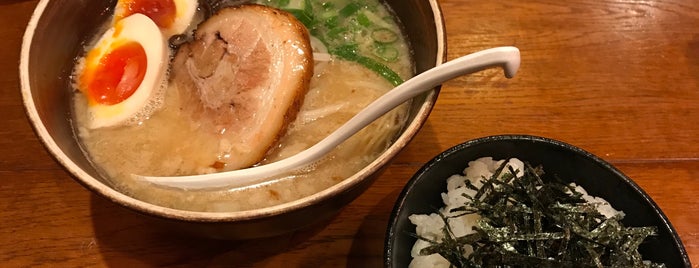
<point x="532" y="221"/>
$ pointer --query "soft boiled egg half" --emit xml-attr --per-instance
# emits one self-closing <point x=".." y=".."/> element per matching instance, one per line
<point x="172" y="16"/>
<point x="124" y="71"/>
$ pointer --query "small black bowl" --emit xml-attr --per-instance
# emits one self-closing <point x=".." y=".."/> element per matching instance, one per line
<point x="421" y="195"/>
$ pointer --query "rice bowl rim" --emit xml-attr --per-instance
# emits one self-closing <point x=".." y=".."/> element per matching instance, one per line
<point x="399" y="205"/>
<point x="97" y="186"/>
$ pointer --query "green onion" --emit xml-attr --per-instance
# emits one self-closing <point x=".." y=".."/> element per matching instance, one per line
<point x="384" y="36"/>
<point x="336" y="26"/>
<point x="337" y="33"/>
<point x="308" y="6"/>
<point x="332" y="22"/>
<point x="281" y="3"/>
<point x="363" y="20"/>
<point x="328" y="6"/>
<point x="348" y="52"/>
<point x="387" y="53"/>
<point x="349" y="9"/>
<point x="303" y="16"/>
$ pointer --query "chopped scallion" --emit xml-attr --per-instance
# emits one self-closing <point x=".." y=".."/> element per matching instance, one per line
<point x="363" y="20"/>
<point x="356" y="23"/>
<point x="387" y="53"/>
<point x="349" y="53"/>
<point x="349" y="9"/>
<point x="384" y="36"/>
<point x="303" y="16"/>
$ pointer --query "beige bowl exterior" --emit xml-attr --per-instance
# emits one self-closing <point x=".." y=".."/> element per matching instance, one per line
<point x="55" y="36"/>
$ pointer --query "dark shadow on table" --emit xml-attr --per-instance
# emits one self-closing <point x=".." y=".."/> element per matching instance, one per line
<point x="129" y="239"/>
<point x="12" y="2"/>
<point x="368" y="244"/>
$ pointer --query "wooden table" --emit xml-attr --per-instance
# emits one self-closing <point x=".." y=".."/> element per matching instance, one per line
<point x="618" y="78"/>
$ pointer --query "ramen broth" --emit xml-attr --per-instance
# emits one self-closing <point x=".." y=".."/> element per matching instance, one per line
<point x="165" y="145"/>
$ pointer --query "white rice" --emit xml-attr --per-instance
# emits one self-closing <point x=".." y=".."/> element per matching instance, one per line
<point x="430" y="226"/>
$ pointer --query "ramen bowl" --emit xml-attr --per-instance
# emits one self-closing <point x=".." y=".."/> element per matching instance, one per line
<point x="55" y="36"/>
<point x="422" y="193"/>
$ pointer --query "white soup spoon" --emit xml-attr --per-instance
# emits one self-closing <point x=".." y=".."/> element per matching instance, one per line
<point x="505" y="57"/>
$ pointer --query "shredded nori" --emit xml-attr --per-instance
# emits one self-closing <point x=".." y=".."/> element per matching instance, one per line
<point x="532" y="222"/>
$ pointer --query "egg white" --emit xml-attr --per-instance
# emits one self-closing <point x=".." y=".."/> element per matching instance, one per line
<point x="185" y="14"/>
<point x="141" y="29"/>
<point x="185" y="11"/>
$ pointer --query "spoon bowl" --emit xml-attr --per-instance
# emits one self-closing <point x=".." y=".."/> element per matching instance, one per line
<point x="507" y="58"/>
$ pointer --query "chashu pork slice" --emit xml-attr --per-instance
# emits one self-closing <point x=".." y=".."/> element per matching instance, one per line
<point x="243" y="78"/>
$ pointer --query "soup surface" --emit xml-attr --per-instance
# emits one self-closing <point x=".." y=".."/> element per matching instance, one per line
<point x="164" y="144"/>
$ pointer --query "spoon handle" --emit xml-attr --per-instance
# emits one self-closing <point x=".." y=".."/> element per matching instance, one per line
<point x="506" y="57"/>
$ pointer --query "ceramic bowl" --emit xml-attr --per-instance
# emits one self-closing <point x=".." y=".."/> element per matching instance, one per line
<point x="421" y="194"/>
<point x="55" y="36"/>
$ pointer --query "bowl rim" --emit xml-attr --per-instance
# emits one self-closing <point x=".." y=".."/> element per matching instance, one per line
<point x="235" y="216"/>
<point x="391" y="231"/>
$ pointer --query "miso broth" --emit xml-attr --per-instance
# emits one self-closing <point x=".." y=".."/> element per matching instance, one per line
<point x="166" y="145"/>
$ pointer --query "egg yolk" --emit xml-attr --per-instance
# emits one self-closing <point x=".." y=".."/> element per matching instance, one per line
<point x="162" y="12"/>
<point x="117" y="75"/>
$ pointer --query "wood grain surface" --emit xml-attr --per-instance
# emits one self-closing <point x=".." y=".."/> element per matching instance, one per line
<point x="619" y="78"/>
